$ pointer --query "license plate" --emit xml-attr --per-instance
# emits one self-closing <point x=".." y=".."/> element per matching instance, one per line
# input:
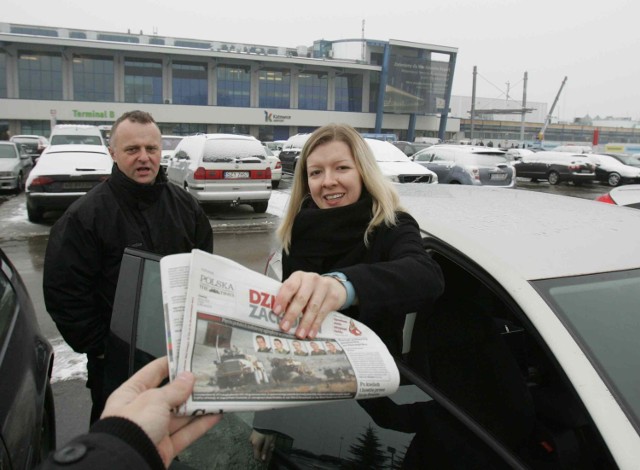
<point x="77" y="185"/>
<point x="498" y="176"/>
<point x="232" y="175"/>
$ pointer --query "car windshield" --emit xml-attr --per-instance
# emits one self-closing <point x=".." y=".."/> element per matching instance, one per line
<point x="601" y="311"/>
<point x="627" y="159"/>
<point x="227" y="150"/>
<point x="75" y="139"/>
<point x="7" y="151"/>
<point x="170" y="143"/>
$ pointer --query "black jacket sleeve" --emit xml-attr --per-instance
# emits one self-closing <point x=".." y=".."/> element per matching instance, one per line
<point x="111" y="443"/>
<point x="71" y="271"/>
<point x="404" y="279"/>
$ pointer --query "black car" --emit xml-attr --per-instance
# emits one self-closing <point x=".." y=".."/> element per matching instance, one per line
<point x="33" y="145"/>
<point x="27" y="416"/>
<point x="464" y="401"/>
<point x="556" y="167"/>
<point x="290" y="153"/>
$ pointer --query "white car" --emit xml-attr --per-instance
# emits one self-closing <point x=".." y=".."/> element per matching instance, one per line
<point x="530" y="357"/>
<point x="225" y="169"/>
<point x="15" y="165"/>
<point x="63" y="174"/>
<point x="396" y="166"/>
<point x="612" y="171"/>
<point x="276" y="167"/>
<point x="628" y="195"/>
<point x="169" y="144"/>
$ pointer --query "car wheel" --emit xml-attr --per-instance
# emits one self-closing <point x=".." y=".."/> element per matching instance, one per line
<point x="553" y="177"/>
<point x="47" y="427"/>
<point x="260" y="207"/>
<point x="275" y="184"/>
<point x="19" y="184"/>
<point x="34" y="214"/>
<point x="613" y="179"/>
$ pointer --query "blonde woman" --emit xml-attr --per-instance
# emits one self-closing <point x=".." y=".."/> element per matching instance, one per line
<point x="347" y="246"/>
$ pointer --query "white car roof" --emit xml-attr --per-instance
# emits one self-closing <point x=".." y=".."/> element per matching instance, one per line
<point x="527" y="234"/>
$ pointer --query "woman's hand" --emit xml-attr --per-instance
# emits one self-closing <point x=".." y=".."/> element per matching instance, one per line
<point x="149" y="407"/>
<point x="311" y="295"/>
<point x="263" y="445"/>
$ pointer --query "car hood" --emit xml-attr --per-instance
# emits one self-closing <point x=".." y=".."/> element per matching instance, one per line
<point x="8" y="164"/>
<point x="403" y="168"/>
<point x="73" y="164"/>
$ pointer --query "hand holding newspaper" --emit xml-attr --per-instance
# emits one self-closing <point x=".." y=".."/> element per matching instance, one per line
<point x="221" y="327"/>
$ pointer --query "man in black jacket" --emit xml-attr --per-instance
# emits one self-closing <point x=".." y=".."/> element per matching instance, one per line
<point x="136" y="207"/>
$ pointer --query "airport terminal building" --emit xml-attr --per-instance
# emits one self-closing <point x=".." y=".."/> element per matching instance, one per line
<point x="52" y="75"/>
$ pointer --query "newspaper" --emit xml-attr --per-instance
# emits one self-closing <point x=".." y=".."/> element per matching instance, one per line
<point x="221" y="327"/>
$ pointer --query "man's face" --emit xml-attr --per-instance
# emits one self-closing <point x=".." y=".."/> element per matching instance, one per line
<point x="297" y="346"/>
<point x="277" y="344"/>
<point x="260" y="342"/>
<point x="136" y="149"/>
<point x="331" y="347"/>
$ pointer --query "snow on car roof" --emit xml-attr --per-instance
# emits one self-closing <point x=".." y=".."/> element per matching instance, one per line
<point x="525" y="233"/>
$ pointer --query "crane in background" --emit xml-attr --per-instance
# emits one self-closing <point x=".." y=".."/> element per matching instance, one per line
<point x="547" y="121"/>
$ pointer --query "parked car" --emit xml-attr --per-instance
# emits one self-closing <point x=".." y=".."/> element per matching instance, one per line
<point x="410" y="148"/>
<point x="76" y="134"/>
<point x="169" y="144"/>
<point x="612" y="171"/>
<point x="222" y="169"/>
<point x="275" y="146"/>
<point x="63" y="174"/>
<point x="290" y="153"/>
<point x="517" y="154"/>
<point x="27" y="413"/>
<point x="631" y="160"/>
<point x="276" y="167"/>
<point x="628" y="195"/>
<point x="396" y="166"/>
<point x="466" y="164"/>
<point x="529" y="359"/>
<point x="15" y="165"/>
<point x="34" y="145"/>
<point x="556" y="167"/>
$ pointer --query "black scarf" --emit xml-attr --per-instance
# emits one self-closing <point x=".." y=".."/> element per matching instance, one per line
<point x="133" y="198"/>
<point x="326" y="239"/>
<point x="134" y="194"/>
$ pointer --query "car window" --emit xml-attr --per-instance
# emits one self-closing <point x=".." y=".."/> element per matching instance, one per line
<point x="601" y="310"/>
<point x="229" y="150"/>
<point x="170" y="143"/>
<point x="8" y="151"/>
<point x="423" y="156"/>
<point x="486" y="160"/>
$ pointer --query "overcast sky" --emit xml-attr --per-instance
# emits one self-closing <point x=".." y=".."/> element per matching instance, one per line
<point x="595" y="44"/>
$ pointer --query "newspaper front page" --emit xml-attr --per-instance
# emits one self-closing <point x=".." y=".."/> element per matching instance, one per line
<point x="221" y="327"/>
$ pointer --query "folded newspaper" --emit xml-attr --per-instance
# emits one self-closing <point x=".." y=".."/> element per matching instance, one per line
<point x="221" y="327"/>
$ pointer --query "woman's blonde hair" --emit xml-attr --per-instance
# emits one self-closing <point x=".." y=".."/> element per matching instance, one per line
<point x="385" y="198"/>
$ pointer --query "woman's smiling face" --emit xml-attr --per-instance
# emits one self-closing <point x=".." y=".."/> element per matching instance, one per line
<point x="334" y="180"/>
